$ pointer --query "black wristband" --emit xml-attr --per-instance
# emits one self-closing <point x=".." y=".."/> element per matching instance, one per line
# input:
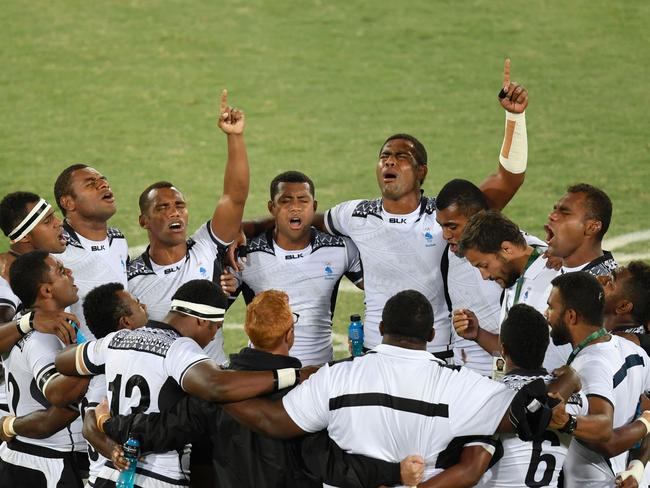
<point x="570" y="425"/>
<point x="20" y="331"/>
<point x="275" y="380"/>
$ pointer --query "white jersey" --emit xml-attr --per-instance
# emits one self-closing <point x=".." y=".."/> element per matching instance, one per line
<point x="93" y="397"/>
<point x="399" y="252"/>
<point x="144" y="372"/>
<point x="617" y="371"/>
<point x="310" y="277"/>
<point x="154" y="285"/>
<point x="28" y="368"/>
<point x="8" y="298"/>
<point x="468" y="290"/>
<point x="531" y="463"/>
<point x="394" y="401"/>
<point x="94" y="263"/>
<point x="601" y="266"/>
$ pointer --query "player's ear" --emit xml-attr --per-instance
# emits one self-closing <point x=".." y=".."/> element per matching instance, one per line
<point x="593" y="227"/>
<point x="67" y="203"/>
<point x="315" y="205"/>
<point x="624" y="307"/>
<point x="45" y="290"/>
<point x="270" y="206"/>
<point x="143" y="221"/>
<point x="422" y="171"/>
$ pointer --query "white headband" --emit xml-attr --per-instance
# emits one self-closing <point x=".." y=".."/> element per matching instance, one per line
<point x="198" y="310"/>
<point x="32" y="219"/>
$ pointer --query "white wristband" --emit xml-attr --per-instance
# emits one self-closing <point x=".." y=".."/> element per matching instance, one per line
<point x="646" y="423"/>
<point x="80" y="365"/>
<point x="634" y="469"/>
<point x="25" y="323"/>
<point x="514" y="150"/>
<point x="286" y="378"/>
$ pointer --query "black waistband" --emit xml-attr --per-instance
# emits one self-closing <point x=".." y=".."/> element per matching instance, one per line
<point x="40" y="451"/>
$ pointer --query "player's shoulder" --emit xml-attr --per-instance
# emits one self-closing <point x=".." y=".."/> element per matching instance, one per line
<point x="364" y="208"/>
<point x="140" y="266"/>
<point x="428" y="205"/>
<point x="323" y="240"/>
<point x="602" y="266"/>
<point x="114" y="233"/>
<point x="261" y="243"/>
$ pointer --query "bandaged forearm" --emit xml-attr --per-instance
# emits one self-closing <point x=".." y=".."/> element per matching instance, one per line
<point x="514" y="150"/>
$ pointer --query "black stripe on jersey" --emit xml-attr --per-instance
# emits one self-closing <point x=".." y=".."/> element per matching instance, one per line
<point x="389" y="401"/>
<point x="330" y="225"/>
<point x="451" y="454"/>
<point x="630" y="361"/>
<point x="35" y="450"/>
<point x="601" y="397"/>
<point x="90" y="366"/>
<point x="45" y="374"/>
<point x="151" y="474"/>
<point x="5" y="301"/>
<point x="182" y="376"/>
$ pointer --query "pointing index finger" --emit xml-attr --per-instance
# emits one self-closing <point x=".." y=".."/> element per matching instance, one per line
<point x="224" y="101"/>
<point x="506" y="74"/>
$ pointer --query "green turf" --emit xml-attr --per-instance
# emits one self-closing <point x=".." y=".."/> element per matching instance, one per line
<point x="132" y="88"/>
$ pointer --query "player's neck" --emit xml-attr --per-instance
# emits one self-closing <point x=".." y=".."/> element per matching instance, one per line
<point x="582" y="331"/>
<point x="614" y="321"/>
<point x="163" y="254"/>
<point x="403" y="205"/>
<point x="288" y="244"/>
<point x="280" y="350"/>
<point x="404" y="343"/>
<point x="583" y="255"/>
<point x="48" y="305"/>
<point x="91" y="229"/>
<point x="521" y="261"/>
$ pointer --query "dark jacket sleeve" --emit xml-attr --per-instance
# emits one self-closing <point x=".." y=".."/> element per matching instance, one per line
<point x="189" y="419"/>
<point x="644" y="342"/>
<point x="326" y="460"/>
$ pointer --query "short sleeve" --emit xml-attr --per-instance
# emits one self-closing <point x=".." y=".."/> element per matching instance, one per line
<point x="211" y="246"/>
<point x="94" y="354"/>
<point x="7" y="297"/>
<point x="181" y="356"/>
<point x="40" y="352"/>
<point x="477" y="404"/>
<point x="308" y="403"/>
<point x="594" y="382"/>
<point x="338" y="218"/>
<point x="95" y="393"/>
<point x="577" y="404"/>
<point x="354" y="271"/>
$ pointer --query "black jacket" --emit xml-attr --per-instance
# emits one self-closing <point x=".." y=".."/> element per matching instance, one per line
<point x="242" y="458"/>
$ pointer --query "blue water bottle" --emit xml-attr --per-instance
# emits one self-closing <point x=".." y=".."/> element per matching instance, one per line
<point x="81" y="338"/>
<point x="355" y="335"/>
<point x="131" y="453"/>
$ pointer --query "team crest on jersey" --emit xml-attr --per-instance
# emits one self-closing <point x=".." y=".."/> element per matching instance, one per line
<point x="428" y="238"/>
<point x="329" y="272"/>
<point x="204" y="272"/>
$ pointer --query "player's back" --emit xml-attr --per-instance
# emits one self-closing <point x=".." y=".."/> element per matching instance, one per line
<point x="531" y="463"/>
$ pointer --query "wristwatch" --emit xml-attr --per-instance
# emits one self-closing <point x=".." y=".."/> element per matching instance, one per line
<point x="570" y="425"/>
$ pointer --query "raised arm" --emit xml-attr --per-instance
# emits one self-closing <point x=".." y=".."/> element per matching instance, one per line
<point x="500" y="187"/>
<point x="227" y="217"/>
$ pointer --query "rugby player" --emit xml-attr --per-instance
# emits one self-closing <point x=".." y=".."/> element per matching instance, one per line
<point x="57" y="453"/>
<point x="303" y="262"/>
<point x="614" y="372"/>
<point x="95" y="253"/>
<point x="171" y="259"/>
<point x="240" y="456"/>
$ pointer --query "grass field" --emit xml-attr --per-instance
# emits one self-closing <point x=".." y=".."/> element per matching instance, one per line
<point x="132" y="87"/>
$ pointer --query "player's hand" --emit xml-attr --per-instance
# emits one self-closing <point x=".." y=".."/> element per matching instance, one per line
<point x="56" y="323"/>
<point x="411" y="470"/>
<point x="228" y="283"/>
<point x="628" y="482"/>
<point x="552" y="262"/>
<point x="465" y="323"/>
<point x="117" y="456"/>
<point x="231" y="120"/>
<point x="571" y="374"/>
<point x="236" y="258"/>
<point x="513" y="97"/>
<point x="560" y="416"/>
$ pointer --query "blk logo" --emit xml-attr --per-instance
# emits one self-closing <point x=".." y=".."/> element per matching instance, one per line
<point x="394" y="220"/>
<point x="98" y="248"/>
<point x="172" y="270"/>
<point x="293" y="256"/>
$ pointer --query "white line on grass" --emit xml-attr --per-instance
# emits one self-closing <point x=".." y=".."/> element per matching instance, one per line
<point x="625" y="239"/>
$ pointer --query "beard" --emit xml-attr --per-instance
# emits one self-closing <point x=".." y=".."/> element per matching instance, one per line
<point x="560" y="334"/>
<point x="511" y="278"/>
